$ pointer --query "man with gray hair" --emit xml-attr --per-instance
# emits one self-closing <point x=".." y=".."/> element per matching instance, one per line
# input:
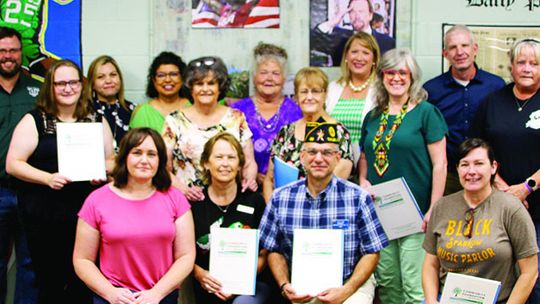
<point x="458" y="93"/>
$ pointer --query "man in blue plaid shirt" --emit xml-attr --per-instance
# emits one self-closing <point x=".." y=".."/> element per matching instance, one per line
<point x="323" y="201"/>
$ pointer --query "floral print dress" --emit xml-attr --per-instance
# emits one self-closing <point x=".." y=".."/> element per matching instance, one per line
<point x="287" y="147"/>
<point x="187" y="140"/>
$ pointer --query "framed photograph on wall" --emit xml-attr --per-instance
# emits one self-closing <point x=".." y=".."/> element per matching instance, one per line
<point x="332" y="22"/>
<point x="494" y="43"/>
<point x="235" y="14"/>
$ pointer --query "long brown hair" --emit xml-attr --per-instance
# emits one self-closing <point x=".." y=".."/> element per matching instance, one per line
<point x="46" y="100"/>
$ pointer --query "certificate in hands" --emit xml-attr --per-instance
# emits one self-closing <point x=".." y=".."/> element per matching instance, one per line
<point x="81" y="153"/>
<point x="397" y="209"/>
<point x="465" y="289"/>
<point x="317" y="262"/>
<point x="234" y="256"/>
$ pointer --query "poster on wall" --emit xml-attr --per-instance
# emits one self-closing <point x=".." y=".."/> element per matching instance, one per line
<point x="332" y="22"/>
<point x="235" y="14"/>
<point x="50" y="30"/>
<point x="494" y="43"/>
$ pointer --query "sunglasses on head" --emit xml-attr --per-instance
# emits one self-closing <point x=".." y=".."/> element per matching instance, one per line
<point x="203" y="62"/>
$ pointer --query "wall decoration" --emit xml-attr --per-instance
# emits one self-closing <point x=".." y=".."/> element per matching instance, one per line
<point x="51" y="29"/>
<point x="494" y="43"/>
<point x="334" y="21"/>
<point x="235" y="13"/>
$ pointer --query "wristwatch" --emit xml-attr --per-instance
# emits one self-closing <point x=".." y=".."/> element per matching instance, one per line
<point x="531" y="183"/>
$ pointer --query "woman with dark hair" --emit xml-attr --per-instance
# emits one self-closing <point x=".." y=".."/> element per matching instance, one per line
<point x="480" y="231"/>
<point x="164" y="86"/>
<point x="224" y="205"/>
<point x="105" y="91"/>
<point x="140" y="227"/>
<point x="403" y="137"/>
<point x="186" y="131"/>
<point x="48" y="201"/>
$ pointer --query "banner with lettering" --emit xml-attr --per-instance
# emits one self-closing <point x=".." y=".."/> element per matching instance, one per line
<point x="51" y="30"/>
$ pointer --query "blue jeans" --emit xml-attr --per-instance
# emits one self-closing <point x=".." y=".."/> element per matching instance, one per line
<point x="171" y="298"/>
<point x="534" y="298"/>
<point x="11" y="232"/>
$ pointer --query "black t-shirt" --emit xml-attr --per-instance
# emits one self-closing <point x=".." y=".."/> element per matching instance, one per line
<point x="514" y="136"/>
<point x="244" y="212"/>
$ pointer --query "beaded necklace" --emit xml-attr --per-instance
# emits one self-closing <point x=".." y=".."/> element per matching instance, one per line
<point x="270" y="125"/>
<point x="381" y="148"/>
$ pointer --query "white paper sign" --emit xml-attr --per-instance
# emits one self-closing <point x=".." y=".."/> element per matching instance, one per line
<point x="81" y="153"/>
<point x="397" y="209"/>
<point x="465" y="289"/>
<point x="233" y="259"/>
<point x="317" y="262"/>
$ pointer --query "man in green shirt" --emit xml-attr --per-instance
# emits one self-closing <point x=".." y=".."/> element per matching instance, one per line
<point x="18" y="94"/>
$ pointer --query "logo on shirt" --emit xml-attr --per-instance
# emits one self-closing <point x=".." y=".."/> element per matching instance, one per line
<point x="33" y="91"/>
<point x="534" y="120"/>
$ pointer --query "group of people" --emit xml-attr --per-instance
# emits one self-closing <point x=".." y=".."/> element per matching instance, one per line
<point x="184" y="162"/>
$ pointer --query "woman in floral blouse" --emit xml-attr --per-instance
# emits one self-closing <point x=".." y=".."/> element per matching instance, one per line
<point x="310" y="90"/>
<point x="185" y="132"/>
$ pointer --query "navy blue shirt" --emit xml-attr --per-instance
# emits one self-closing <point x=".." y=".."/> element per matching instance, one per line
<point x="459" y="104"/>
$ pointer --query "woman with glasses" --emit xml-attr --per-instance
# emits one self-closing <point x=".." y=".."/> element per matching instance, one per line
<point x="480" y="231"/>
<point x="48" y="201"/>
<point x="267" y="110"/>
<point x="164" y="86"/>
<point x="138" y="227"/>
<point x="310" y="92"/>
<point x="225" y="205"/>
<point x="105" y="91"/>
<point x="186" y="131"/>
<point x="403" y="136"/>
<point x="350" y="98"/>
<point x="509" y="119"/>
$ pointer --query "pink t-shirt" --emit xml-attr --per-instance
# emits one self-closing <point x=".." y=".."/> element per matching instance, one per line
<point x="137" y="236"/>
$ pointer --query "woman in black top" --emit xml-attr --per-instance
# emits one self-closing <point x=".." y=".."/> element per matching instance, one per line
<point x="224" y="206"/>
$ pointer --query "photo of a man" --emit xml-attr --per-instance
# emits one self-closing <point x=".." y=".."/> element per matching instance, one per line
<point x="342" y="19"/>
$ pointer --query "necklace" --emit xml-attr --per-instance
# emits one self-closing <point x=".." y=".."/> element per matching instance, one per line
<point x="361" y="87"/>
<point x="522" y="106"/>
<point x="382" y="147"/>
<point x="223" y="210"/>
<point x="270" y="125"/>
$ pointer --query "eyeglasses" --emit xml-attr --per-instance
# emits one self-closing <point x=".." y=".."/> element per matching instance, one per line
<point x="392" y="73"/>
<point x="172" y="75"/>
<point x="205" y="61"/>
<point x="74" y="84"/>
<point x="9" y="51"/>
<point x="314" y="92"/>
<point x="469" y="218"/>
<point x="326" y="153"/>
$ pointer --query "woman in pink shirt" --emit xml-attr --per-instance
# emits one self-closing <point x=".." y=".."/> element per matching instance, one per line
<point x="141" y="227"/>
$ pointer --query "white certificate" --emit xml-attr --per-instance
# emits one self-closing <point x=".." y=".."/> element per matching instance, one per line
<point x="465" y="289"/>
<point x="234" y="255"/>
<point x="81" y="153"/>
<point x="397" y="209"/>
<point x="317" y="262"/>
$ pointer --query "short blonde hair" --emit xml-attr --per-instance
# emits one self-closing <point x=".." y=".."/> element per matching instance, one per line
<point x="312" y="77"/>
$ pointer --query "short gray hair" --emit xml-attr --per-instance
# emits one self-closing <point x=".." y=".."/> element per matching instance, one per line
<point x="458" y="28"/>
<point x="266" y="51"/>
<point x="534" y="43"/>
<point x="395" y="59"/>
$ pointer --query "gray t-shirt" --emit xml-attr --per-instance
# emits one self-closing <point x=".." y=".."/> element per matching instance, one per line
<point x="503" y="233"/>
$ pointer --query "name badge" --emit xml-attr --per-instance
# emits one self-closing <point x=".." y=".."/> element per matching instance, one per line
<point x="245" y="209"/>
<point x="340" y="224"/>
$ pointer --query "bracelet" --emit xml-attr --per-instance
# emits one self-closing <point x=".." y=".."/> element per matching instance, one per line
<point x="531" y="190"/>
<point x="282" y="286"/>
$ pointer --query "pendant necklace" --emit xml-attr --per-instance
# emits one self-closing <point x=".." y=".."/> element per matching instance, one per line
<point x="522" y="106"/>
<point x="360" y="88"/>
<point x="223" y="210"/>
